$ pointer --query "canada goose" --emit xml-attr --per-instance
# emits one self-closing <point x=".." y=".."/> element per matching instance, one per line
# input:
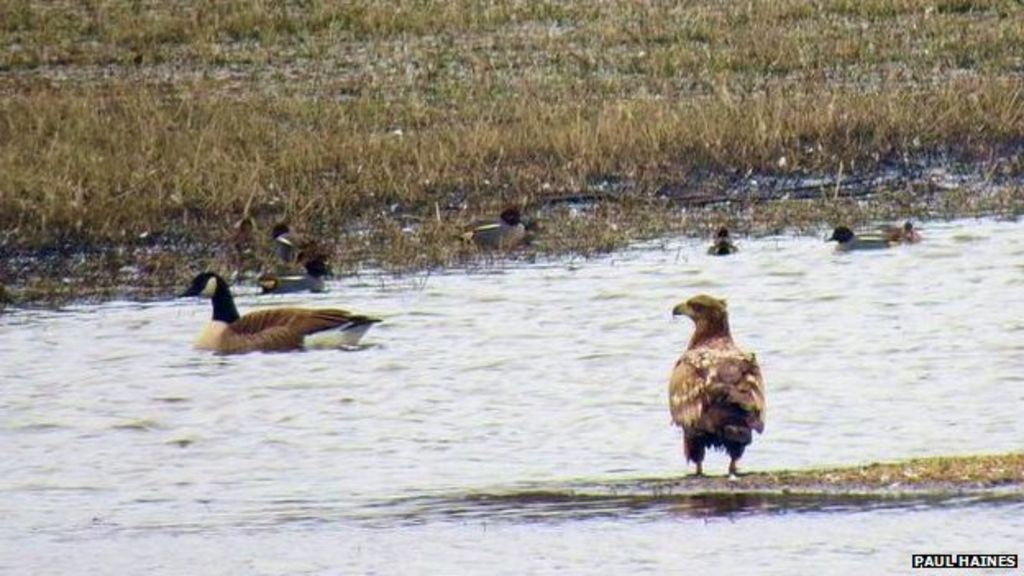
<point x="848" y="241"/>
<point x="716" y="392"/>
<point x="723" y="245"/>
<point x="507" y="232"/>
<point x="312" y="280"/>
<point x="905" y="234"/>
<point x="272" y="330"/>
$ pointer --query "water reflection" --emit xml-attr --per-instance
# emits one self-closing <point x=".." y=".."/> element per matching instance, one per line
<point x="641" y="502"/>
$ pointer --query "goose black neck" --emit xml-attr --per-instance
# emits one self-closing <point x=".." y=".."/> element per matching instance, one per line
<point x="224" y="305"/>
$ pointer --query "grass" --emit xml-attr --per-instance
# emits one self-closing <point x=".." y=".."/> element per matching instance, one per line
<point x="144" y="130"/>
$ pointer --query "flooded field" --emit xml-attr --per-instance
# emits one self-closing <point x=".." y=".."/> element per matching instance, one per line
<point x="481" y="427"/>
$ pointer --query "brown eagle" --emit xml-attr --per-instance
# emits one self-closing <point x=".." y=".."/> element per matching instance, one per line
<point x="716" y="392"/>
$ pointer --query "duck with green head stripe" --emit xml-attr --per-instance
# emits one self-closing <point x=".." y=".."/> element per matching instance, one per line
<point x="311" y="281"/>
<point x="847" y="241"/>
<point x="508" y="232"/>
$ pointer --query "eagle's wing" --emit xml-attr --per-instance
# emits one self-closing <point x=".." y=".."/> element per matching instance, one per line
<point x="709" y="376"/>
<point x="688" y="390"/>
<point x="736" y="380"/>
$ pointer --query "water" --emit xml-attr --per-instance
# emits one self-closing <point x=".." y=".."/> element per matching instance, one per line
<point x="481" y="427"/>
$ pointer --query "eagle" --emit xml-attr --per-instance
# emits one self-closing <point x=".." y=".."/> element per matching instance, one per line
<point x="716" y="393"/>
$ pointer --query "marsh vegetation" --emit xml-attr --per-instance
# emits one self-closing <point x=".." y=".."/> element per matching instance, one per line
<point x="133" y="135"/>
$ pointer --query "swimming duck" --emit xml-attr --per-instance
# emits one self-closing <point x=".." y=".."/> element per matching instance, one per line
<point x="312" y="280"/>
<point x="723" y="245"/>
<point x="507" y="232"/>
<point x="716" y="392"/>
<point x="905" y="234"/>
<point x="848" y="241"/>
<point x="271" y="330"/>
<point x="288" y="246"/>
<point x="284" y="246"/>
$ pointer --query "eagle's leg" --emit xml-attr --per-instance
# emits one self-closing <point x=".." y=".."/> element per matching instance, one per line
<point x="735" y="453"/>
<point x="694" y="450"/>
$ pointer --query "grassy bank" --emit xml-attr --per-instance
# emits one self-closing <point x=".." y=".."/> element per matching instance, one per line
<point x="142" y="131"/>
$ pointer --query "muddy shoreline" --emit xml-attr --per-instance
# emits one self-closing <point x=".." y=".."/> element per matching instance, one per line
<point x="930" y="482"/>
<point x="604" y="215"/>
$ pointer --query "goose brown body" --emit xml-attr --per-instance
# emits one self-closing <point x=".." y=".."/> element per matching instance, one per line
<point x="272" y="330"/>
<point x="716" y="392"/>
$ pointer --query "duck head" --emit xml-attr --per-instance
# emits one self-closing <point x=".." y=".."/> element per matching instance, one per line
<point x="841" y="234"/>
<point x="317" y="268"/>
<point x="280" y="229"/>
<point x="722" y="234"/>
<point x="511" y="216"/>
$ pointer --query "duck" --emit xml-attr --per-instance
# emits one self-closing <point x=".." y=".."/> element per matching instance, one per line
<point x="242" y="241"/>
<point x="716" y="392"/>
<point x="274" y="329"/>
<point x="905" y="234"/>
<point x="508" y="232"/>
<point x="284" y="244"/>
<point x="290" y="247"/>
<point x="848" y="241"/>
<point x="723" y="245"/>
<point x="311" y="281"/>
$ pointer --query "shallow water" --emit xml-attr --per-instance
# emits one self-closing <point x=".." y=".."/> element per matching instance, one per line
<point x="457" y="439"/>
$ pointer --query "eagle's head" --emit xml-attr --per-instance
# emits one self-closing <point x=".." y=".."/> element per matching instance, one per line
<point x="702" y="308"/>
<point x="710" y="320"/>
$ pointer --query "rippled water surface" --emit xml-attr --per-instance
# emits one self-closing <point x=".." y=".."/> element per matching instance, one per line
<point x="457" y="439"/>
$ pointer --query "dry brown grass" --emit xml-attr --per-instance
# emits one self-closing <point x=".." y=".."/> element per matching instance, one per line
<point x="386" y="127"/>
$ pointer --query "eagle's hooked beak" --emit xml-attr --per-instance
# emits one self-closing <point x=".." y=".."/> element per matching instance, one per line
<point x="681" y="309"/>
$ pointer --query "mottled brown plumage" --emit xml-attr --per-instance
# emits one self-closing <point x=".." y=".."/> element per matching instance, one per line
<point x="716" y="393"/>
<point x="905" y="234"/>
<point x="272" y="330"/>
